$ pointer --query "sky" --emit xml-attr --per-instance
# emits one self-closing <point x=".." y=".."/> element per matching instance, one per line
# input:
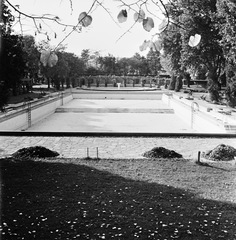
<point x="104" y="35"/>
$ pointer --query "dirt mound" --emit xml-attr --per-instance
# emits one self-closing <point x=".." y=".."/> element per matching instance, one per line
<point x="221" y="153"/>
<point x="34" y="152"/>
<point x="160" y="152"/>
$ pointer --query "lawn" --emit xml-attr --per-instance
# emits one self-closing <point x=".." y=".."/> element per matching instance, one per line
<point x="23" y="97"/>
<point x="117" y="199"/>
<point x="34" y="94"/>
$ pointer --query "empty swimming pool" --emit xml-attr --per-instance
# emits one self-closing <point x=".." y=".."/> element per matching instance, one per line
<point x="113" y="115"/>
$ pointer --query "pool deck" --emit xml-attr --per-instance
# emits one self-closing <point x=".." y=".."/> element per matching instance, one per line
<point x="111" y="147"/>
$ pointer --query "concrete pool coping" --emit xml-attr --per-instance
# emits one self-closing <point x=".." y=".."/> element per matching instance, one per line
<point x="116" y="134"/>
<point x="121" y="89"/>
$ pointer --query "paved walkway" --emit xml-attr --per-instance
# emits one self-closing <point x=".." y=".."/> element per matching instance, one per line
<point x="111" y="147"/>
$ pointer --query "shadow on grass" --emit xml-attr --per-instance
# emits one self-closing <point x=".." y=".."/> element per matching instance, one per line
<point x="215" y="167"/>
<point x="66" y="201"/>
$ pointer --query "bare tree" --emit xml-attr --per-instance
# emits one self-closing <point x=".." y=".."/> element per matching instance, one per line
<point x="142" y="11"/>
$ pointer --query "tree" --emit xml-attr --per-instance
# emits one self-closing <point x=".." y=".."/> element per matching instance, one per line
<point x="67" y="70"/>
<point x="142" y="12"/>
<point x="195" y="35"/>
<point x="12" y="62"/>
<point x="58" y="73"/>
<point x="85" y="55"/>
<point x="123" y="65"/>
<point x="226" y="12"/>
<point x="76" y="68"/>
<point x="201" y="17"/>
<point x="166" y="64"/>
<point x="5" y="30"/>
<point x="172" y="46"/>
<point x="227" y="26"/>
<point x="31" y="56"/>
<point x="190" y="21"/>
<point x="153" y="59"/>
<point x="108" y="64"/>
<point x="139" y="65"/>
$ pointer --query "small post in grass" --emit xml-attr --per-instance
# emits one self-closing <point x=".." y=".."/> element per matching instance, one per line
<point x="97" y="152"/>
<point x="199" y="157"/>
<point x="87" y="152"/>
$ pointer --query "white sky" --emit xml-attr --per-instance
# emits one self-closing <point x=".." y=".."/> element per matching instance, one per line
<point x="101" y="35"/>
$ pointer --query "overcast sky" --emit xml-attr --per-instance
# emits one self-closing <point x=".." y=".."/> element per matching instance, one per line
<point x="102" y="35"/>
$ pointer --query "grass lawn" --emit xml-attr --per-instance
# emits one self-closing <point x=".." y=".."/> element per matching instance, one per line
<point x="36" y="93"/>
<point x="21" y="98"/>
<point x="117" y="199"/>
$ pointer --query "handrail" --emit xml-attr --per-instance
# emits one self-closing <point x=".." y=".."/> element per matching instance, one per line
<point x="192" y="106"/>
<point x="20" y="106"/>
<point x="193" y="111"/>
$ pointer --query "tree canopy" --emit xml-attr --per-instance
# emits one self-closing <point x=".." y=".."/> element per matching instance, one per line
<point x="194" y="37"/>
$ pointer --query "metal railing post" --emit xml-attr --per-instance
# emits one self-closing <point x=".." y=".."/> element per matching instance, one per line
<point x="193" y="110"/>
<point x="29" y="113"/>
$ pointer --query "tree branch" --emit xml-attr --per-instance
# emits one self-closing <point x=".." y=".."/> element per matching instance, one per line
<point x="54" y="19"/>
<point x="108" y="13"/>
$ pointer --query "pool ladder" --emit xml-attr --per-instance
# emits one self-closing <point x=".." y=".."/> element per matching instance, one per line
<point x="194" y="109"/>
<point x="29" y="113"/>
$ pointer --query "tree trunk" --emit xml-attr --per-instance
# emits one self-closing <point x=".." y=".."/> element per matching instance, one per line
<point x="213" y="86"/>
<point x="172" y="82"/>
<point x="48" y="81"/>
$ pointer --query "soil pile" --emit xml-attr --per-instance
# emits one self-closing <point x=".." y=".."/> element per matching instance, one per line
<point x="34" y="152"/>
<point x="221" y="153"/>
<point x="161" y="152"/>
